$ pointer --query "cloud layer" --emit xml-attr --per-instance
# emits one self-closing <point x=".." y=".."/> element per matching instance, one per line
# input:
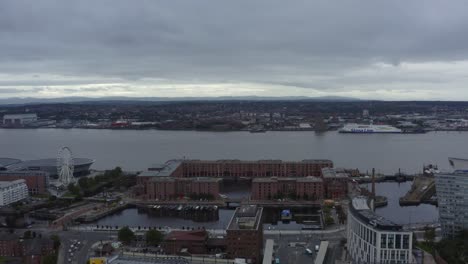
<point x="401" y="50"/>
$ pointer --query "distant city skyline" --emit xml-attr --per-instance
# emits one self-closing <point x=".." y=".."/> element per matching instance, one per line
<point x="395" y="50"/>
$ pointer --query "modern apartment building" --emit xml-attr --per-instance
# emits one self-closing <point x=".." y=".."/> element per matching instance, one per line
<point x="13" y="191"/>
<point x="374" y="239"/>
<point x="37" y="181"/>
<point x="452" y="196"/>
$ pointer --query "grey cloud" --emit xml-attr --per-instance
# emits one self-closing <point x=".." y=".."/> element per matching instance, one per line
<point x="306" y="44"/>
<point x="20" y="90"/>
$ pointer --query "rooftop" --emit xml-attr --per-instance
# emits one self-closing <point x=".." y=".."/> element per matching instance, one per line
<point x="246" y="217"/>
<point x="5" y="162"/>
<point x="6" y="184"/>
<point x="298" y="179"/>
<point x="199" y="235"/>
<point x="205" y="179"/>
<point x="22" y="165"/>
<point x="165" y="170"/>
<point x="13" y="116"/>
<point x="333" y="173"/>
<point x="163" y="179"/>
<point x="273" y="161"/>
<point x="361" y="209"/>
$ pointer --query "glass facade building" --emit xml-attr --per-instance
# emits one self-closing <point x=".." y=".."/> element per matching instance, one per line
<point x="452" y="197"/>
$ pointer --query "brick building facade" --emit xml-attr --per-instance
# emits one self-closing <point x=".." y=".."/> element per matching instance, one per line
<point x="175" y="178"/>
<point x="244" y="235"/>
<point x="37" y="181"/>
<point x="306" y="188"/>
<point x="30" y="251"/>
<point x="194" y="241"/>
<point x="336" y="183"/>
<point x="167" y="188"/>
<point x="260" y="168"/>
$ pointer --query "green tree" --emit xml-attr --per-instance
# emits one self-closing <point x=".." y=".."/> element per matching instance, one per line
<point x="73" y="189"/>
<point x="50" y="259"/>
<point x="56" y="240"/>
<point x="83" y="183"/>
<point x="27" y="234"/>
<point x="153" y="237"/>
<point x="126" y="235"/>
<point x="329" y="220"/>
<point x="429" y="234"/>
<point x="10" y="221"/>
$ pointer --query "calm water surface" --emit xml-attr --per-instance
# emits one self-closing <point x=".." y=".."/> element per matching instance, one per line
<point x="137" y="149"/>
<point x="392" y="190"/>
<point x="403" y="214"/>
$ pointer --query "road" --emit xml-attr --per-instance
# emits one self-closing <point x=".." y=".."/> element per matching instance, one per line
<point x="92" y="228"/>
<point x="81" y="251"/>
<point x="291" y="246"/>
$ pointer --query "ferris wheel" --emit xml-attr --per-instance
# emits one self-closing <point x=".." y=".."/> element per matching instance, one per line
<point x="65" y="166"/>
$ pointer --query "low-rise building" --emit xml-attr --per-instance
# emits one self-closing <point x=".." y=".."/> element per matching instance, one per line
<point x="10" y="245"/>
<point x="30" y="251"/>
<point x="306" y="188"/>
<point x="374" y="239"/>
<point x="13" y="191"/>
<point x="244" y="234"/>
<point x="180" y="242"/>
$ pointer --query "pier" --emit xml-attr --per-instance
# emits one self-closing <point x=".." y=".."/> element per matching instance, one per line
<point x="422" y="191"/>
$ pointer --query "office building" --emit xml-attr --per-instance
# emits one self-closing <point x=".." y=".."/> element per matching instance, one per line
<point x="14" y="191"/>
<point x="374" y="239"/>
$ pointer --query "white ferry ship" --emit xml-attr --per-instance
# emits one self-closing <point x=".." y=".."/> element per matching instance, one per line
<point x="358" y="128"/>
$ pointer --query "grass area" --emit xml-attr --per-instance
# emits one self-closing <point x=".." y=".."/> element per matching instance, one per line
<point x="41" y="195"/>
<point x="2" y="260"/>
<point x="68" y="195"/>
<point x="428" y="247"/>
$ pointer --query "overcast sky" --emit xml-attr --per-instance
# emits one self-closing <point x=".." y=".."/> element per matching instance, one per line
<point x="393" y="50"/>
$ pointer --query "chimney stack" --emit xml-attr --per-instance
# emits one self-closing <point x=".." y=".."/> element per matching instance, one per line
<point x="373" y="183"/>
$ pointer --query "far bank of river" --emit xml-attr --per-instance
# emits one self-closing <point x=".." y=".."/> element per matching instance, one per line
<point x="393" y="211"/>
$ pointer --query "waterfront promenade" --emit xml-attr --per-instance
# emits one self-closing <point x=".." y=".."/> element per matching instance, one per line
<point x="94" y="228"/>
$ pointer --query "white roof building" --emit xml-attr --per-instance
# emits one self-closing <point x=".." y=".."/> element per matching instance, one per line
<point x="19" y="119"/>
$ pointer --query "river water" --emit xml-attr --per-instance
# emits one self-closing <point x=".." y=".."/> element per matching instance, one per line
<point x="424" y="213"/>
<point x="137" y="149"/>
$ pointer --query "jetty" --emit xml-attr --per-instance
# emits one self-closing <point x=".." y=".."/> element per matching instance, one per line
<point x="422" y="191"/>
